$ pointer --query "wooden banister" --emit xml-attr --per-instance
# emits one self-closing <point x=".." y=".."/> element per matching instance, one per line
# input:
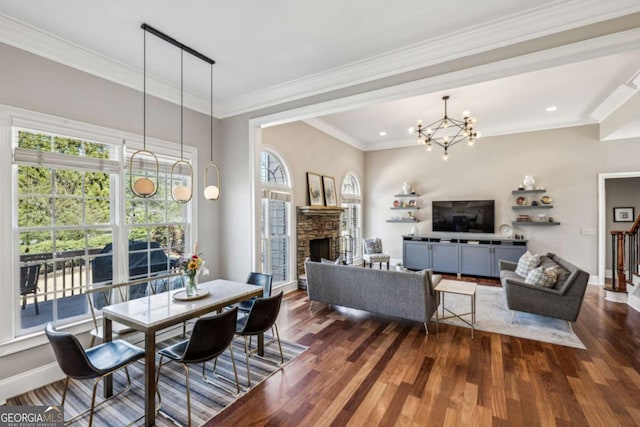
<point x="625" y="244"/>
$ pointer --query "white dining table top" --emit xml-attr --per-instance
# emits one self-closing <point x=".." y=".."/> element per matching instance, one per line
<point x="158" y="311"/>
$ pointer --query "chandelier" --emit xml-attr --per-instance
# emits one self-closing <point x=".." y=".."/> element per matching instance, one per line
<point x="447" y="132"/>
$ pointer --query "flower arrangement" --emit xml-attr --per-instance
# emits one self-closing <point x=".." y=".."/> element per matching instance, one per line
<point x="191" y="266"/>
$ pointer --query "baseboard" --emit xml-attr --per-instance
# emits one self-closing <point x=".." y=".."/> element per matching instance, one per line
<point x="594" y="280"/>
<point x="285" y="288"/>
<point x="634" y="302"/>
<point x="27" y="381"/>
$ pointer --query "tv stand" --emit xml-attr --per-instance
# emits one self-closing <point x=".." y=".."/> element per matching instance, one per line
<point x="460" y="255"/>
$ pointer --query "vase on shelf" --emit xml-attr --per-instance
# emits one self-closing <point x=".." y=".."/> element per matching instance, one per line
<point x="406" y="188"/>
<point x="190" y="284"/>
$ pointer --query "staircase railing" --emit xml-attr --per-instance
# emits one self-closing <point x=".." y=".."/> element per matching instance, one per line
<point x="625" y="252"/>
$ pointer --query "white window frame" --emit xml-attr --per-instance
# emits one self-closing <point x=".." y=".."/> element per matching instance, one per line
<point x="354" y="198"/>
<point x="269" y="189"/>
<point x="12" y="117"/>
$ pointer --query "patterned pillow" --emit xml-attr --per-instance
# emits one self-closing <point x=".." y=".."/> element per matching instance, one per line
<point x="526" y="263"/>
<point x="540" y="276"/>
<point x="373" y="246"/>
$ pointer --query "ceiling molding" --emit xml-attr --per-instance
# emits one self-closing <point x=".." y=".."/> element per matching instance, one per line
<point x="531" y="23"/>
<point x="336" y="133"/>
<point x="39" y="42"/>
<point x="619" y="96"/>
<point x="526" y="25"/>
<point x="584" y="50"/>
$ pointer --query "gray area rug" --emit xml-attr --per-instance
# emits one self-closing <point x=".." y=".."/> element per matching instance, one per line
<point x="493" y="315"/>
<point x="206" y="399"/>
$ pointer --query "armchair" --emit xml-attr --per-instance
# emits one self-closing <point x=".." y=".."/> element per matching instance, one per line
<point x="372" y="252"/>
<point x="563" y="301"/>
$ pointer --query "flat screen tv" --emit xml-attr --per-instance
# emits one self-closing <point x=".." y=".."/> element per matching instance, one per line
<point x="465" y="216"/>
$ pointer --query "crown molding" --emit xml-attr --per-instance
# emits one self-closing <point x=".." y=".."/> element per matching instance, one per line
<point x="531" y="23"/>
<point x="619" y="96"/>
<point x="336" y="133"/>
<point x="39" y="42"/>
<point x="526" y="25"/>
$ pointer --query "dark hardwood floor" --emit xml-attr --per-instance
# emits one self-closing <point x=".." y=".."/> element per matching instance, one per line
<point x="366" y="370"/>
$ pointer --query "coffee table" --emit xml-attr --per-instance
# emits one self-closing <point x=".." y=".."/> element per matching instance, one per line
<point x="461" y="288"/>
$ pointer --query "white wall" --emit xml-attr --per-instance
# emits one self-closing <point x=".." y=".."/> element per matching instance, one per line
<point x="306" y="149"/>
<point x="564" y="161"/>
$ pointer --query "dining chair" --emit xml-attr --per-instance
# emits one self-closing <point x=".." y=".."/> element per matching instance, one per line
<point x="259" y="279"/>
<point x="94" y="363"/>
<point x="29" y="275"/>
<point x="210" y="337"/>
<point x="261" y="318"/>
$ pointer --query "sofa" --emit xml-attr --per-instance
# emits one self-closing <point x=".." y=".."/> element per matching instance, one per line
<point x="405" y="295"/>
<point x="562" y="301"/>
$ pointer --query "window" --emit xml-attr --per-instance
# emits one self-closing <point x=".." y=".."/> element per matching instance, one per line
<point x="276" y="217"/>
<point x="351" y="217"/>
<point x="73" y="209"/>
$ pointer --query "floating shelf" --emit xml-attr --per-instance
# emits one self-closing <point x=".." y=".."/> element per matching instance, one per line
<point x="402" y="220"/>
<point x="540" y="223"/>
<point x="542" y="190"/>
<point x="406" y="209"/>
<point x="531" y="207"/>
<point x="407" y="195"/>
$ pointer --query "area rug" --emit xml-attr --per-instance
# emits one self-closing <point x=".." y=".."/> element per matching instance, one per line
<point x="206" y="399"/>
<point x="493" y="315"/>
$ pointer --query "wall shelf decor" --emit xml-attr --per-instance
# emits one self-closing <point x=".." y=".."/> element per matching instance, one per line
<point x="537" y="203"/>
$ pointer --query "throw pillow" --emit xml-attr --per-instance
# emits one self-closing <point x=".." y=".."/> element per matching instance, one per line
<point x="328" y="261"/>
<point x="561" y="273"/>
<point x="540" y="276"/>
<point x="526" y="263"/>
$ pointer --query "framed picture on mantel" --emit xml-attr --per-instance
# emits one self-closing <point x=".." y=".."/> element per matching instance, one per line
<point x="329" y="185"/>
<point x="623" y="214"/>
<point x="316" y="196"/>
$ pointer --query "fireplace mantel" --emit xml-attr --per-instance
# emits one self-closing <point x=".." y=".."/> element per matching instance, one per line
<point x="320" y="210"/>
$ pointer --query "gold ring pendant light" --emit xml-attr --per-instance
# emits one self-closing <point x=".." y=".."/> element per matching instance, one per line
<point x="180" y="193"/>
<point x="211" y="192"/>
<point x="143" y="186"/>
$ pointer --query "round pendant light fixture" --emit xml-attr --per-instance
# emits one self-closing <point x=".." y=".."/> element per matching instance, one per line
<point x="181" y="193"/>
<point x="143" y="186"/>
<point x="211" y="192"/>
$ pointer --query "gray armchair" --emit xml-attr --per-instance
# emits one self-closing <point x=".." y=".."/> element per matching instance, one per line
<point x="563" y="301"/>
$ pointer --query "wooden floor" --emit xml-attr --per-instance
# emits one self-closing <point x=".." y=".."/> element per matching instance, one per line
<point x="366" y="370"/>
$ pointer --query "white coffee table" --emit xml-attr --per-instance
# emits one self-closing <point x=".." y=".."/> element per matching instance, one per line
<point x="461" y="288"/>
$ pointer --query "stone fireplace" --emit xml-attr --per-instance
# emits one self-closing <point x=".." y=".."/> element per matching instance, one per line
<point x="317" y="230"/>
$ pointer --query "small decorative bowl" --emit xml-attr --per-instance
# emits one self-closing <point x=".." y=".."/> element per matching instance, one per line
<point x="546" y="200"/>
<point x="521" y="201"/>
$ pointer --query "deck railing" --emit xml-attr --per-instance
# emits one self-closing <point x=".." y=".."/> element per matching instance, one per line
<point x="70" y="266"/>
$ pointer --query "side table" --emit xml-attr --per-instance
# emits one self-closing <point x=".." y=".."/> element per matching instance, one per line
<point x="461" y="288"/>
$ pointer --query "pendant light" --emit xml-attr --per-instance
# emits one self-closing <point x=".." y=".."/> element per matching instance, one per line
<point x="181" y="193"/>
<point x="143" y="186"/>
<point x="211" y="192"/>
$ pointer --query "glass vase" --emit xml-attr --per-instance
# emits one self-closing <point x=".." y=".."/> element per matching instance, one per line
<point x="190" y="284"/>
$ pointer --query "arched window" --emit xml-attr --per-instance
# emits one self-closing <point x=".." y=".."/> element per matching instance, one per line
<point x="276" y="217"/>
<point x="351" y="217"/>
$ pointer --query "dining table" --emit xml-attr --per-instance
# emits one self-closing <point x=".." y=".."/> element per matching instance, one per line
<point x="153" y="313"/>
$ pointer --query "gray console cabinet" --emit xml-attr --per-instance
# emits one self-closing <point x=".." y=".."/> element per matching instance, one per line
<point x="460" y="256"/>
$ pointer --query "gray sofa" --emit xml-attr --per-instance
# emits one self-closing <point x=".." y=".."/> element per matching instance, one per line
<point x="390" y="293"/>
<point x="563" y="301"/>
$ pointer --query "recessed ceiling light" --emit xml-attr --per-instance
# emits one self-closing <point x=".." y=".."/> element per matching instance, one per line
<point x="552" y="108"/>
<point x="383" y="133"/>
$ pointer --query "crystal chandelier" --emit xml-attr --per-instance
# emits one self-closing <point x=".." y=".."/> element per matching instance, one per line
<point x="447" y="132"/>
